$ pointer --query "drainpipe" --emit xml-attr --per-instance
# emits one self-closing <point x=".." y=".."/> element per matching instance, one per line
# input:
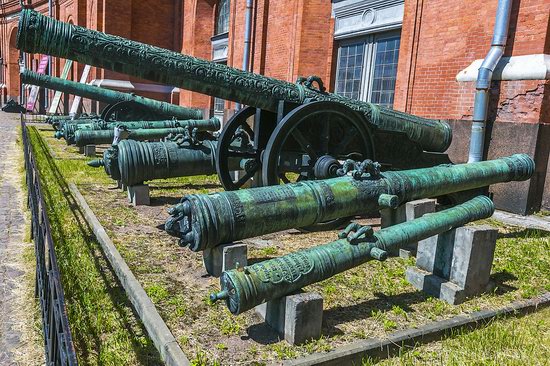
<point x="484" y="77"/>
<point x="247" y="36"/>
<point x="49" y="70"/>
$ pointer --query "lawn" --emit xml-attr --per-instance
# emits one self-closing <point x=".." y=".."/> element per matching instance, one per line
<point x="104" y="327"/>
<point x="371" y="300"/>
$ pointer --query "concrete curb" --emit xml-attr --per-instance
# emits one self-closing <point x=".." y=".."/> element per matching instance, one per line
<point x="530" y="222"/>
<point x="158" y="331"/>
<point x="353" y="354"/>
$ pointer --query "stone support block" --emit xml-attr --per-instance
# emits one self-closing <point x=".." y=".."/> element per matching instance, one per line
<point x="225" y="257"/>
<point x="409" y="211"/>
<point x="455" y="265"/>
<point x="297" y="318"/>
<point x="139" y="195"/>
<point x="89" y="150"/>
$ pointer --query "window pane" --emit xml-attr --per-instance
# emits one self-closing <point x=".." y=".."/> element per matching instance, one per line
<point x="385" y="71"/>
<point x="219" y="105"/>
<point x="222" y="20"/>
<point x="350" y="70"/>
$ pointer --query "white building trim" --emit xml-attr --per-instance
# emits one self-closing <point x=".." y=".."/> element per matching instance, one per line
<point x="359" y="17"/>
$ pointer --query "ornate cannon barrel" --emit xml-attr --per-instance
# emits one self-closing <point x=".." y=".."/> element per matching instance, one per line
<point x="59" y="124"/>
<point x="242" y="290"/>
<point x="133" y="162"/>
<point x="69" y="129"/>
<point x="41" y="34"/>
<point x="205" y="221"/>
<point x="109" y="96"/>
<point x="72" y="125"/>
<point x="100" y="137"/>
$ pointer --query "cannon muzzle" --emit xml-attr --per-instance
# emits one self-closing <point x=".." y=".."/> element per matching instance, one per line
<point x="243" y="289"/>
<point x="223" y="217"/>
<point x="96" y="163"/>
<point x="109" y="96"/>
<point x="40" y="34"/>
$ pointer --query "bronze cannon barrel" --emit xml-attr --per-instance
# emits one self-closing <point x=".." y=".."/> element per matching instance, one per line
<point x="242" y="290"/>
<point x="100" y="137"/>
<point x="207" y="220"/>
<point x="41" y="34"/>
<point x="133" y="162"/>
<point x="69" y="129"/>
<point x="109" y="96"/>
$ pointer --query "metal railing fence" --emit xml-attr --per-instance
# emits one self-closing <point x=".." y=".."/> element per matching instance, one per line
<point x="58" y="341"/>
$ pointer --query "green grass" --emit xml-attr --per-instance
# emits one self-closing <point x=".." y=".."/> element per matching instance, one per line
<point x="510" y="341"/>
<point x="371" y="300"/>
<point x="104" y="327"/>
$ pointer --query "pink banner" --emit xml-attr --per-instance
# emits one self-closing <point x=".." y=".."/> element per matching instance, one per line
<point x="33" y="96"/>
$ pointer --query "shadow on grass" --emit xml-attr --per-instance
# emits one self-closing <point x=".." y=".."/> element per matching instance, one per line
<point x="499" y="279"/>
<point x="164" y="200"/>
<point x="262" y="334"/>
<point x="184" y="186"/>
<point x="343" y="314"/>
<point x="145" y="353"/>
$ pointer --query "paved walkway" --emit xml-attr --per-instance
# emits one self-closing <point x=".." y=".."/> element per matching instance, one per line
<point x="20" y="343"/>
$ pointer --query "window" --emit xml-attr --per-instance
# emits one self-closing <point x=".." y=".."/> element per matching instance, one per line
<point x="219" y="105"/>
<point x="222" y="18"/>
<point x="367" y="68"/>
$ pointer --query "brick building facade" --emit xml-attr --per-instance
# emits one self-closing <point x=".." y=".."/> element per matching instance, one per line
<point x="417" y="56"/>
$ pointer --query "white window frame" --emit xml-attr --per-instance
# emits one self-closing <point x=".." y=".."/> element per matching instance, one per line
<point x="367" y="77"/>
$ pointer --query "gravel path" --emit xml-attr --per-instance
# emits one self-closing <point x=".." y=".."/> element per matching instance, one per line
<point x="20" y="341"/>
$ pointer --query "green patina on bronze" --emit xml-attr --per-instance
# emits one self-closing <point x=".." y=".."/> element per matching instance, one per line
<point x="243" y="289"/>
<point x="132" y="162"/>
<point x="41" y="34"/>
<point x="59" y="121"/>
<point x="101" y="137"/>
<point x="207" y="220"/>
<point x="85" y="122"/>
<point x="69" y="129"/>
<point x="109" y="96"/>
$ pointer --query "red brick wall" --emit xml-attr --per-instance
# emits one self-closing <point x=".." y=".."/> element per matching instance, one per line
<point x="289" y="39"/>
<point x="440" y="38"/>
<point x="198" y="28"/>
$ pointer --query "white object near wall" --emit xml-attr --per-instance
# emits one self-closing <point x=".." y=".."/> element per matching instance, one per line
<point x="527" y="67"/>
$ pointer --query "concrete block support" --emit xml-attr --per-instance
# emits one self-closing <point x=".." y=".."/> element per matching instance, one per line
<point x="121" y="185"/>
<point x="225" y="257"/>
<point x="139" y="195"/>
<point x="89" y="150"/>
<point x="455" y="265"/>
<point x="409" y="211"/>
<point x="297" y="318"/>
<point x="81" y="149"/>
